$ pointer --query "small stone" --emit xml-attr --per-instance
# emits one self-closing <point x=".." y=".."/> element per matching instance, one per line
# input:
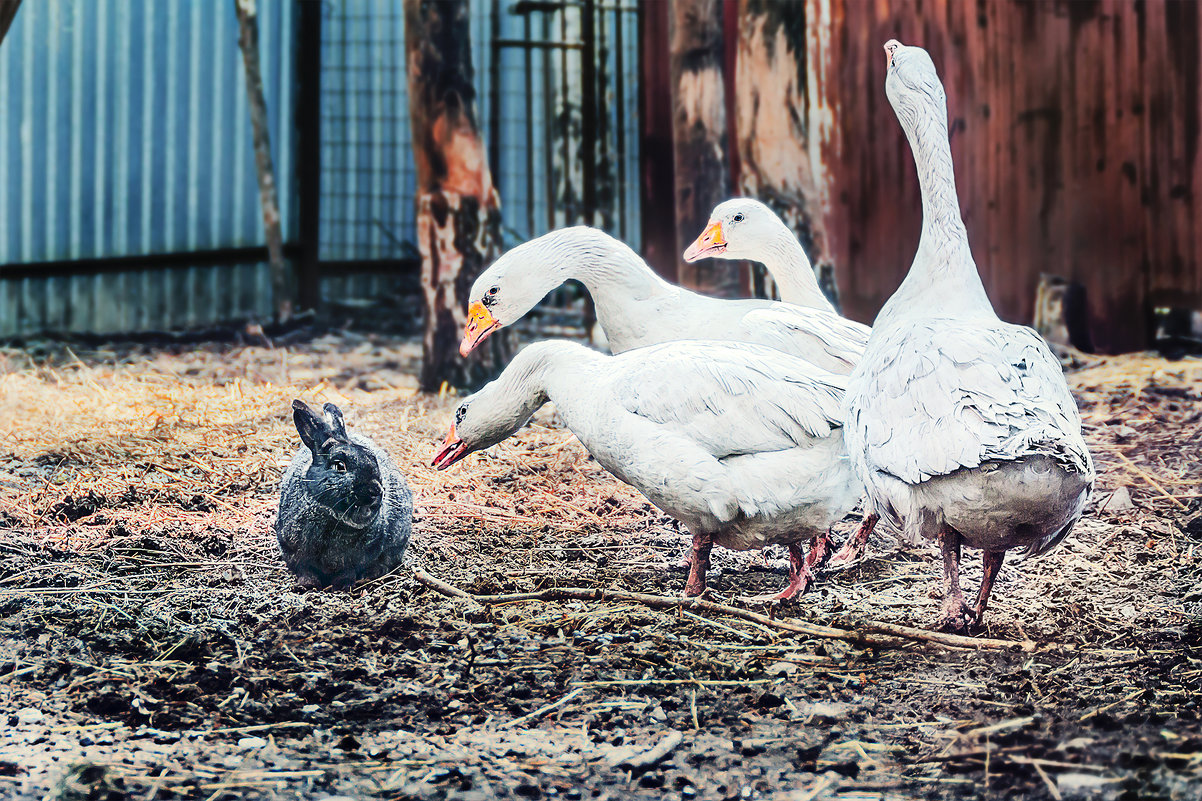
<point x="1119" y="501"/>
<point x="309" y="709"/>
<point x="251" y="742"/>
<point x="30" y="715"/>
<point x="782" y="668"/>
<point x="1076" y="783"/>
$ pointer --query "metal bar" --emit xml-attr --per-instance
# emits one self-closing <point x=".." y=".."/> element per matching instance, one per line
<point x="308" y="162"/>
<point x="147" y="123"/>
<point x="154" y="261"/>
<point x="518" y="43"/>
<point x="548" y="147"/>
<point x="528" y="57"/>
<point x="588" y="113"/>
<point x="494" y="90"/>
<point x="620" y="194"/>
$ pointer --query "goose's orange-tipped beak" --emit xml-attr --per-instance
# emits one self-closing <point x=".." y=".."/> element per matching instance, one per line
<point x="710" y="243"/>
<point x="480" y="323"/>
<point x="453" y="449"/>
<point x="891" y="48"/>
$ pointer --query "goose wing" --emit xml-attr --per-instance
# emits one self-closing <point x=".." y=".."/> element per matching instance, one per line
<point x="731" y="398"/>
<point x="947" y="395"/>
<point x="824" y="338"/>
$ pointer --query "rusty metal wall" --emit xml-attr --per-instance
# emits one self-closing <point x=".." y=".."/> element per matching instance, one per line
<point x="1075" y="131"/>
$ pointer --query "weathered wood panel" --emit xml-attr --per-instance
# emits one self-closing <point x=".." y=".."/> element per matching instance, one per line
<point x="1075" y="129"/>
<point x="701" y="147"/>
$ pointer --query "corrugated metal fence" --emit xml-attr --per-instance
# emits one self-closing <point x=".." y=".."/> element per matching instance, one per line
<point x="128" y="193"/>
<point x="125" y="133"/>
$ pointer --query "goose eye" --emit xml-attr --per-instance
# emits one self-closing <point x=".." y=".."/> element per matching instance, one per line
<point x="459" y="413"/>
<point x="494" y="290"/>
<point x="737" y="218"/>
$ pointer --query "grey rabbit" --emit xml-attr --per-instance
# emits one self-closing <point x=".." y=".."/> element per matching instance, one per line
<point x="345" y="510"/>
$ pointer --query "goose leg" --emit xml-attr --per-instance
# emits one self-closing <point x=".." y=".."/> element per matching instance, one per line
<point x="992" y="562"/>
<point x="699" y="564"/>
<point x="802" y="566"/>
<point x="857" y="544"/>
<point x="955" y="613"/>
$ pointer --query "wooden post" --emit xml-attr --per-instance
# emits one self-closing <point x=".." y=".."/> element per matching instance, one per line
<point x="778" y="128"/>
<point x="248" y="40"/>
<point x="699" y="132"/>
<point x="8" y="10"/>
<point x="458" y="211"/>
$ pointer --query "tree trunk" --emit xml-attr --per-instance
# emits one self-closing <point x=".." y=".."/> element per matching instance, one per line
<point x="8" y="10"/>
<point x="458" y="211"/>
<point x="779" y="131"/>
<point x="700" y="136"/>
<point x="248" y="40"/>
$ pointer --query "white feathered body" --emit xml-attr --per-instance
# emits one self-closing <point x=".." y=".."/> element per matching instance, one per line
<point x="968" y="423"/>
<point x="734" y="440"/>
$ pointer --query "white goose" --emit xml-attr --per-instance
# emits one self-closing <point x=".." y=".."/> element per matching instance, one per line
<point x="744" y="228"/>
<point x="636" y="307"/>
<point x="961" y="426"/>
<point x="741" y="443"/>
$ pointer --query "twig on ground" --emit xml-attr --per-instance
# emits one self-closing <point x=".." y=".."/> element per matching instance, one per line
<point x="868" y="633"/>
<point x="542" y="710"/>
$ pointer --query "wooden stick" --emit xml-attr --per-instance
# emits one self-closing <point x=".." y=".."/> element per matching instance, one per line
<point x="868" y="633"/>
<point x="542" y="710"/>
<point x="1139" y="471"/>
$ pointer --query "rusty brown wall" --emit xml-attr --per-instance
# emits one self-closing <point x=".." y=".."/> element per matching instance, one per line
<point x="1075" y="130"/>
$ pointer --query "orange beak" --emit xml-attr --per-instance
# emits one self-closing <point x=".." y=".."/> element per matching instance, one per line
<point x="480" y="323"/>
<point x="710" y="243"/>
<point x="891" y="48"/>
<point x="453" y="449"/>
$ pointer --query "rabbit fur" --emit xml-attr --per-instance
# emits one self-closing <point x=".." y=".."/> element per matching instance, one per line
<point x="345" y="509"/>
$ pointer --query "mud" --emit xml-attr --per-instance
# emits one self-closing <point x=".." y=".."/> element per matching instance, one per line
<point x="152" y="646"/>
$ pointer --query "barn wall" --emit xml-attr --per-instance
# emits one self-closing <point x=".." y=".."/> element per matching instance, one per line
<point x="1075" y="131"/>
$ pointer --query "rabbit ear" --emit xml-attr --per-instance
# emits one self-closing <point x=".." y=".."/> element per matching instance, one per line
<point x="312" y="429"/>
<point x="335" y="422"/>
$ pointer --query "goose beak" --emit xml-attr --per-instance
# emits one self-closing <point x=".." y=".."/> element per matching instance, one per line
<point x="480" y="323"/>
<point x="710" y="243"/>
<point x="891" y="48"/>
<point x="453" y="449"/>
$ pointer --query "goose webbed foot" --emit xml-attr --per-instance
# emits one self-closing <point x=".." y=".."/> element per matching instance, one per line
<point x="855" y="547"/>
<point x="803" y="565"/>
<point x="955" y="616"/>
<point x="699" y="564"/>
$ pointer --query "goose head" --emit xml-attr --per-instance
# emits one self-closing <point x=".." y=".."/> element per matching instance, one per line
<point x="504" y="292"/>
<point x="913" y="86"/>
<point x="516" y="282"/>
<point x="737" y="229"/>
<point x="499" y="409"/>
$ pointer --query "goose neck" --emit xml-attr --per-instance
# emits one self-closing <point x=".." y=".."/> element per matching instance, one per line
<point x="943" y="258"/>
<point x="786" y="260"/>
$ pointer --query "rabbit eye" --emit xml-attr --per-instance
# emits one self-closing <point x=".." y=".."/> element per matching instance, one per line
<point x="339" y="466"/>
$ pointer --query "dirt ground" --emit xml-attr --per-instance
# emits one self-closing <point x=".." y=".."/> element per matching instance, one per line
<point x="152" y="645"/>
